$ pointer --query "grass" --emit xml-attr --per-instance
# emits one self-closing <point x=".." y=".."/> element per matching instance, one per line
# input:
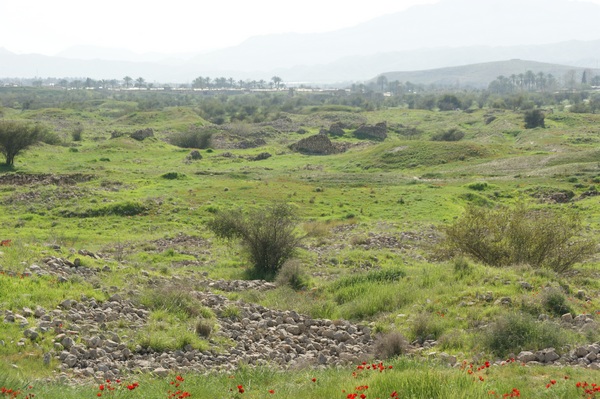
<point x="372" y="223"/>
<point x="408" y="378"/>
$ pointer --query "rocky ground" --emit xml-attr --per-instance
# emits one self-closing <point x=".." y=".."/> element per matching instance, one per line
<point x="88" y="345"/>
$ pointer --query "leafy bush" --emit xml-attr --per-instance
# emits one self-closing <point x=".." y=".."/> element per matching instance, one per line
<point x="267" y="234"/>
<point x="194" y="138"/>
<point x="172" y="175"/>
<point x="449" y="135"/>
<point x="425" y="327"/>
<point x="515" y="332"/>
<point x="534" y="118"/>
<point x="520" y="235"/>
<point x="555" y="302"/>
<point x="477" y="186"/>
<point x="77" y="133"/>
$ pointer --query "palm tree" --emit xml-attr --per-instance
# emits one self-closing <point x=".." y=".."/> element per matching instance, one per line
<point x="276" y="81"/>
<point x="140" y="82"/>
<point x="127" y="80"/>
<point x="198" y="83"/>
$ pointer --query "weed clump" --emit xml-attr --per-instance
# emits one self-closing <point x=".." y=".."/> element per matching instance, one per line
<point x="520" y="235"/>
<point x="292" y="275"/>
<point x="391" y="345"/>
<point x="204" y="328"/>
<point x="425" y="327"/>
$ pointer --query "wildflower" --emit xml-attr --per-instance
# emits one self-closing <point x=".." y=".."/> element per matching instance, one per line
<point x="271" y="391"/>
<point x="314" y="379"/>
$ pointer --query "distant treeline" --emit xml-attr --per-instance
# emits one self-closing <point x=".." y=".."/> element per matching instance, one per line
<point x="223" y="106"/>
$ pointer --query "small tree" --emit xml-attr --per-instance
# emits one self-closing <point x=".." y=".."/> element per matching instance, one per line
<point x="16" y="136"/>
<point x="267" y="234"/>
<point x="534" y="118"/>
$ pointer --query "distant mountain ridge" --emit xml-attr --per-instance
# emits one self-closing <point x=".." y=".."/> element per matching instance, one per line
<point x="480" y="75"/>
<point x="448" y="33"/>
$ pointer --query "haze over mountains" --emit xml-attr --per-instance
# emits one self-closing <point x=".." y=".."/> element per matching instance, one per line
<point x="449" y="33"/>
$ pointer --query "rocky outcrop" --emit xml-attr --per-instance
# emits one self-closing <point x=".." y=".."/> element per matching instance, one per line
<point x="84" y="343"/>
<point x="372" y="132"/>
<point x="318" y="144"/>
<point x="142" y="134"/>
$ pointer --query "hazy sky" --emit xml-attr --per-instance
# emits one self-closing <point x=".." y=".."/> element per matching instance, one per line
<point x="49" y="26"/>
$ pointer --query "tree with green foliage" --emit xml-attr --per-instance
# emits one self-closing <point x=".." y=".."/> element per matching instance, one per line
<point x="267" y="234"/>
<point x="276" y="81"/>
<point x="127" y="80"/>
<point x="16" y="136"/>
<point x="448" y="102"/>
<point x="534" y="118"/>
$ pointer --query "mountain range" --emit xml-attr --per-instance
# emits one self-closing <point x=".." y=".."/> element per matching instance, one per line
<point x="445" y="34"/>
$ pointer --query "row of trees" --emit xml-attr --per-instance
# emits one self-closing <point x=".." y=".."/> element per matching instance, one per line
<point x="541" y="82"/>
<point x="229" y="83"/>
<point x="200" y="82"/>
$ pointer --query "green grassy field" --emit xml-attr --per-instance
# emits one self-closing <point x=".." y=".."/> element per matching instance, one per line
<point x="374" y="211"/>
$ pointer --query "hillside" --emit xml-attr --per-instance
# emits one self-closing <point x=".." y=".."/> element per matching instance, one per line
<point x="115" y="278"/>
<point x="480" y="75"/>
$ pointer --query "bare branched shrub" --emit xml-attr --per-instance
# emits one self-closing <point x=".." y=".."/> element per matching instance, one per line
<point x="390" y="345"/>
<point x="520" y="235"/>
<point x="267" y="234"/>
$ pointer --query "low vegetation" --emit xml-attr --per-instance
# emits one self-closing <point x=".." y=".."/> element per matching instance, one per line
<point x="521" y="235"/>
<point x="457" y="240"/>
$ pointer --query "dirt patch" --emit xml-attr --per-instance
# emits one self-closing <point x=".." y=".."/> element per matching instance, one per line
<point x="25" y="179"/>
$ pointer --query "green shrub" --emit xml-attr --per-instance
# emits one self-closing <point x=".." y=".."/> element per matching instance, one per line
<point x="477" y="186"/>
<point x="520" y="235"/>
<point x="449" y="135"/>
<point x="77" y="133"/>
<point x="515" y="332"/>
<point x="425" y="327"/>
<point x="267" y="234"/>
<point x="462" y="267"/>
<point x="554" y="302"/>
<point x="172" y="175"/>
<point x="534" y="118"/>
<point x="195" y="138"/>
